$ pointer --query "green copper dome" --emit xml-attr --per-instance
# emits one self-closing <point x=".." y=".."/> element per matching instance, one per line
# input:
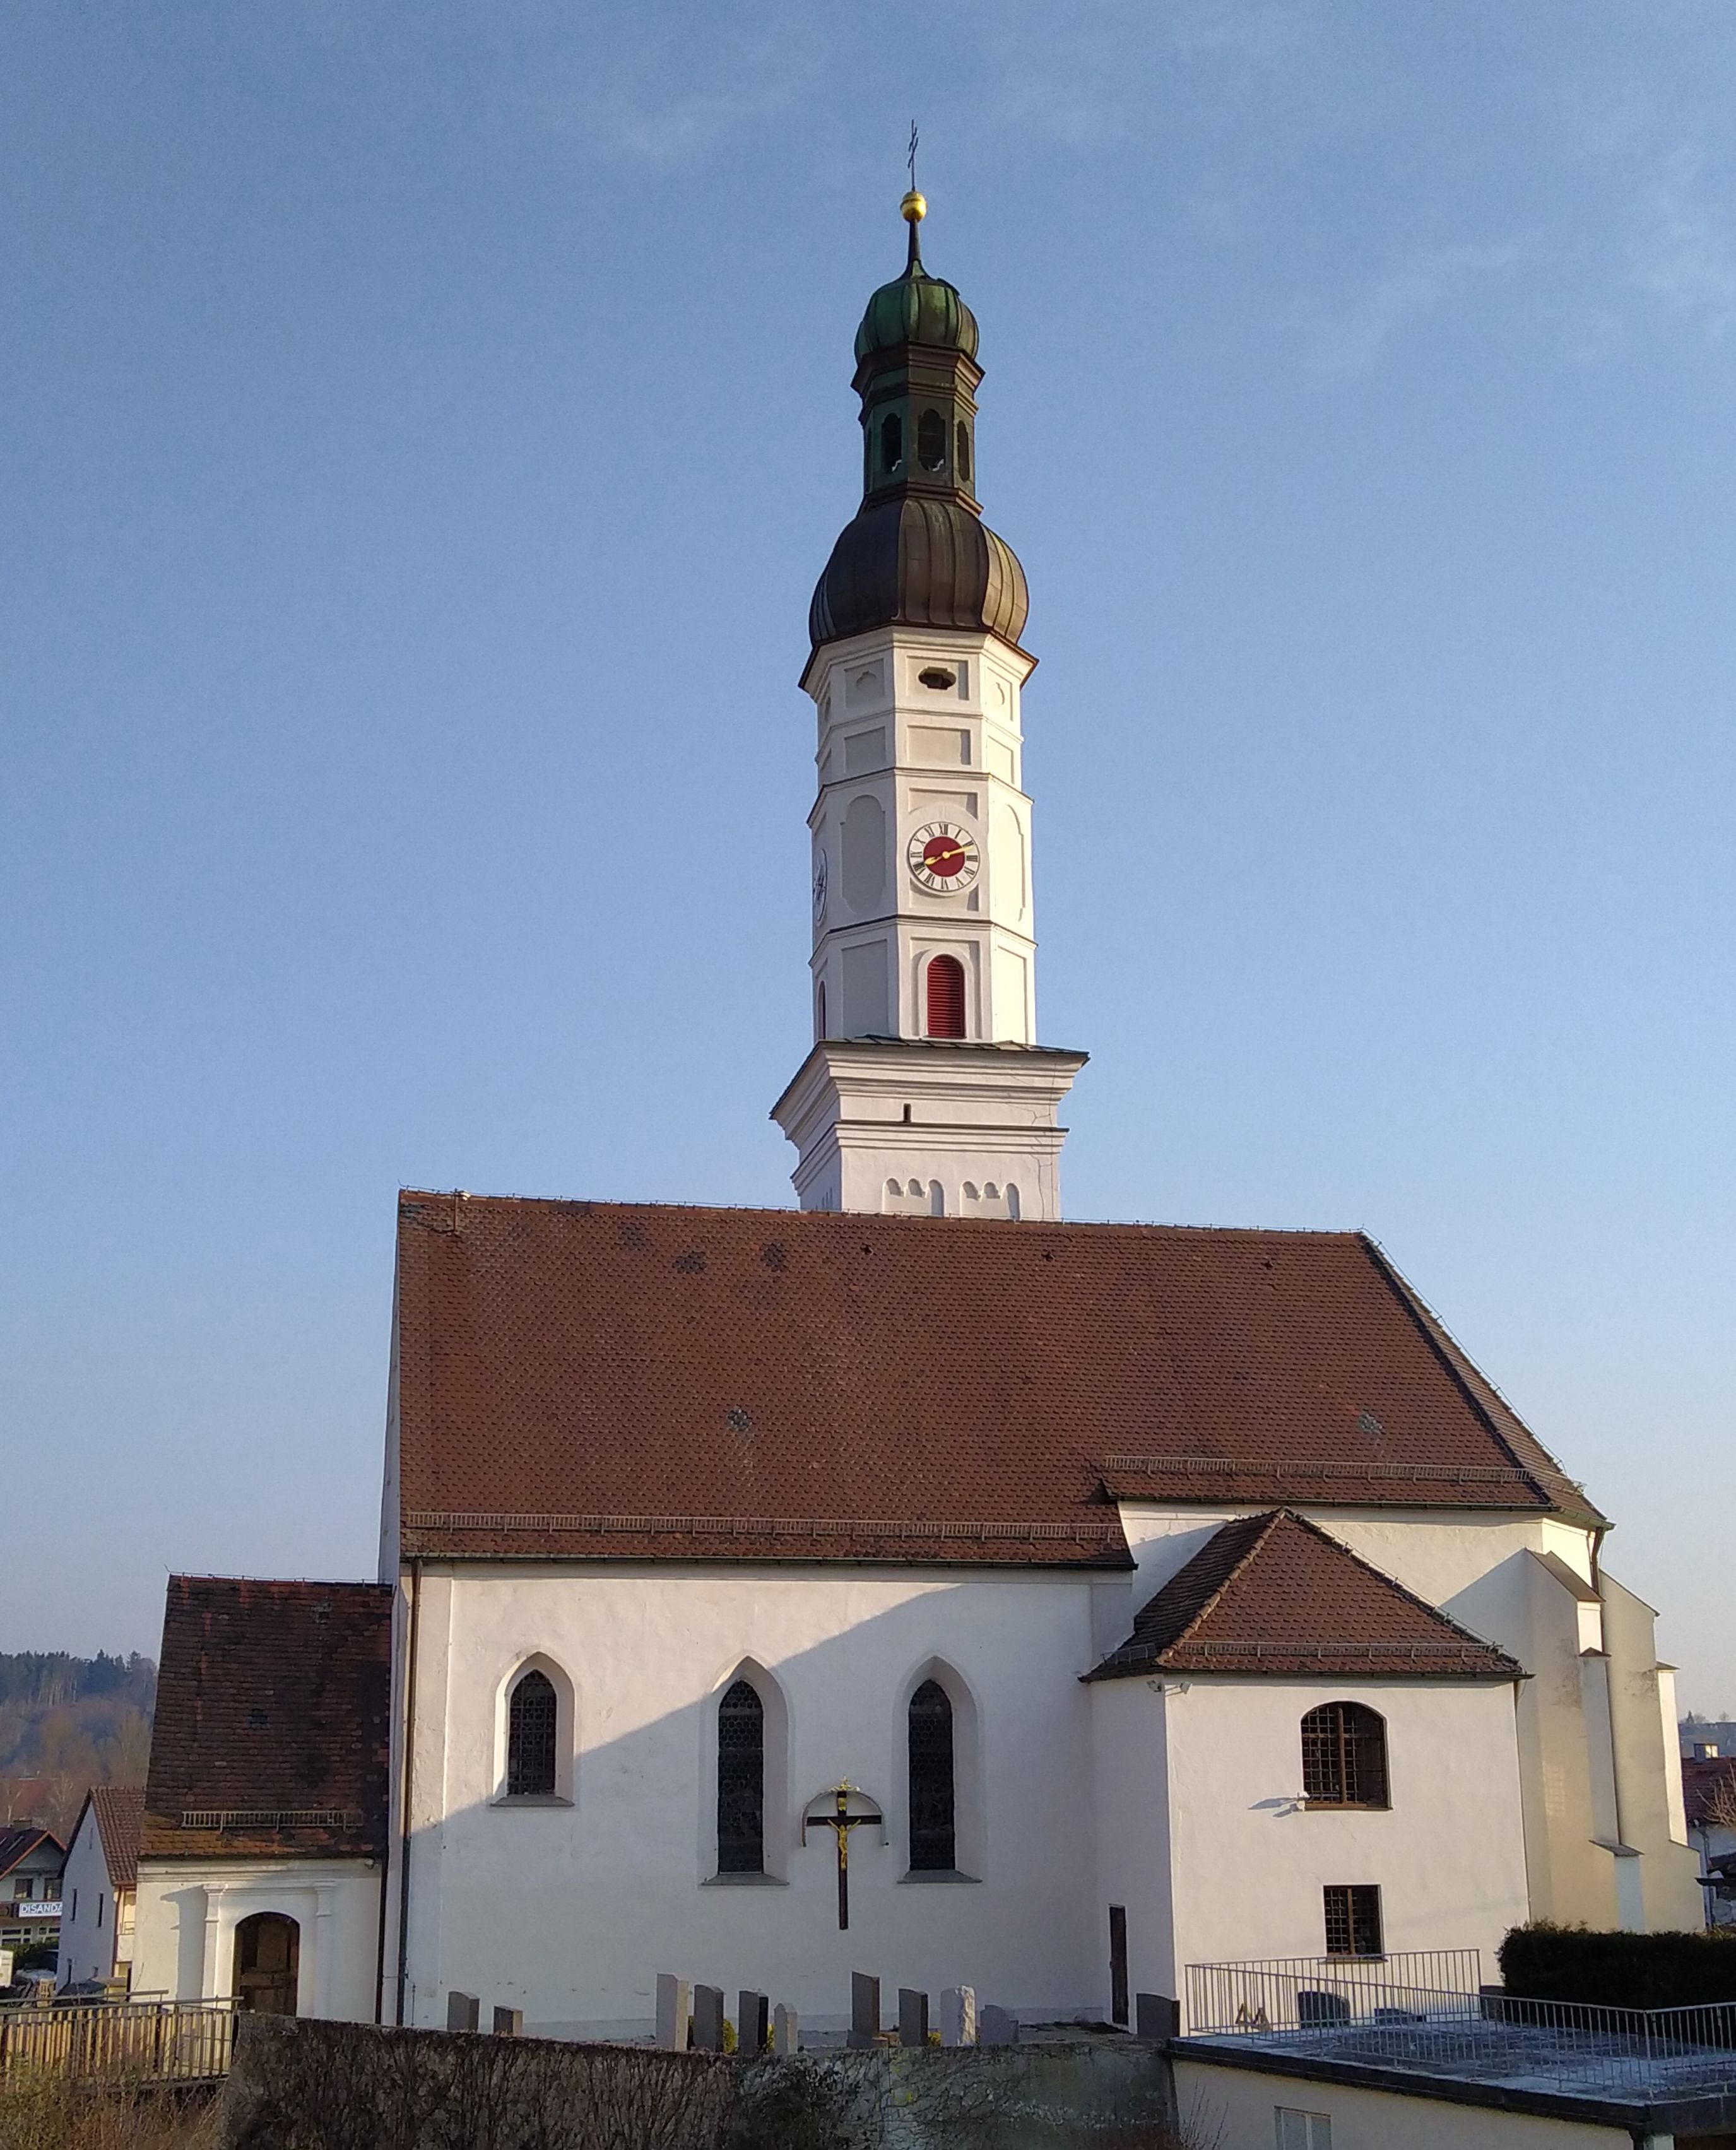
<point x="918" y="308"/>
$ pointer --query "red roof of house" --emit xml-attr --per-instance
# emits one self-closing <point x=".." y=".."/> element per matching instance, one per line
<point x="1275" y="1595"/>
<point x="594" y="1379"/>
<point x="119" y="1812"/>
<point x="1701" y="1783"/>
<point x="272" y="1720"/>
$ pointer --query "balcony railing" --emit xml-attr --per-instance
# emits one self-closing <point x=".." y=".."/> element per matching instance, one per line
<point x="1398" y="2013"/>
<point x="140" y="2041"/>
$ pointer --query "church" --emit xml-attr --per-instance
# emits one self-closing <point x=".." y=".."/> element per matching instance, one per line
<point x="913" y="1581"/>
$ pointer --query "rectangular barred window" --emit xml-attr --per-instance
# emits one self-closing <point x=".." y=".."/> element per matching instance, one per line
<point x="1353" y="1919"/>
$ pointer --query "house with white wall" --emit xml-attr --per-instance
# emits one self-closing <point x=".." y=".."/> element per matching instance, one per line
<point x="99" y="1888"/>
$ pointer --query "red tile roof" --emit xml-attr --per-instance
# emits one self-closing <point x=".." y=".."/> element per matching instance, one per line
<point x="1275" y="1595"/>
<point x="272" y="1720"/>
<point x="120" y="1813"/>
<point x="1701" y="1784"/>
<point x="593" y="1379"/>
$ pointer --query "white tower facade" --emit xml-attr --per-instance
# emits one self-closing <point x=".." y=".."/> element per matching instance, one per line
<point x="926" y="1090"/>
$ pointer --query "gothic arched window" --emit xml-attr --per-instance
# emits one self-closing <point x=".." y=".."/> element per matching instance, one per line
<point x="1344" y="1756"/>
<point x="945" y="994"/>
<point x="963" y="457"/>
<point x="741" y="1781"/>
<point x="531" y="1719"/>
<point x="891" y="441"/>
<point x="933" y="1838"/>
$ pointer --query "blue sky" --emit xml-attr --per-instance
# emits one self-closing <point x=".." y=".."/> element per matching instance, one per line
<point x="419" y="429"/>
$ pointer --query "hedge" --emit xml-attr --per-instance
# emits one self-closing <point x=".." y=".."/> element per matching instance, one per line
<point x="1545" y="1963"/>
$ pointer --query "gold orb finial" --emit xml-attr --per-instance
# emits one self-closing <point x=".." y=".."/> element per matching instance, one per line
<point x="913" y="207"/>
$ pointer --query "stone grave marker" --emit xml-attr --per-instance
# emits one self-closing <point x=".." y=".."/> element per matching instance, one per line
<point x="998" y="2026"/>
<point x="675" y="2005"/>
<point x="463" y="2012"/>
<point x="709" y="2018"/>
<point x="958" y="2016"/>
<point x="864" y="2011"/>
<point x="786" y="2031"/>
<point x="509" y="2023"/>
<point x="751" y="2021"/>
<point x="912" y="2016"/>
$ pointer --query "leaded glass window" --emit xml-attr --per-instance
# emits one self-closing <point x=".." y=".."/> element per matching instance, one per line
<point x="741" y="1781"/>
<point x="531" y="1717"/>
<point x="933" y="1841"/>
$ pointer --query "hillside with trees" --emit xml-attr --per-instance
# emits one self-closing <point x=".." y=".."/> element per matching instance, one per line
<point x="67" y="1723"/>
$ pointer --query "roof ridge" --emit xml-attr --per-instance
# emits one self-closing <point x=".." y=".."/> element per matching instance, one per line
<point x="1260" y="1529"/>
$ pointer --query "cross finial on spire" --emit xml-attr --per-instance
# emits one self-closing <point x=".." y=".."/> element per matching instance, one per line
<point x="913" y="208"/>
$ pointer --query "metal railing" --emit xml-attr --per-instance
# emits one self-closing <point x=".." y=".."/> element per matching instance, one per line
<point x="1302" y="1992"/>
<point x="1336" y="2010"/>
<point x="113" y="2041"/>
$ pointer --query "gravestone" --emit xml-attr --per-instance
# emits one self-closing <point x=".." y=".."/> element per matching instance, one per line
<point x="709" y="2018"/>
<point x="912" y="2016"/>
<point x="750" y="2023"/>
<point x="958" y="2016"/>
<point x="675" y="2005"/>
<point x="509" y="2023"/>
<point x="864" y="2011"/>
<point x="786" y="2031"/>
<point x="999" y="2026"/>
<point x="1156" y="2017"/>
<point x="463" y="2012"/>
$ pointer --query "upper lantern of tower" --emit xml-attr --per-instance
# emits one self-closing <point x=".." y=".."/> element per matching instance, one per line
<point x="917" y="553"/>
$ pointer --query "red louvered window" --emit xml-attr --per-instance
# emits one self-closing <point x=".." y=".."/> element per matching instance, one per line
<point x="946" y="997"/>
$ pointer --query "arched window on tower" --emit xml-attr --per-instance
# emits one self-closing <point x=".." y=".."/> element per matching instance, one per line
<point x="741" y="1781"/>
<point x="963" y="457"/>
<point x="1344" y="1756"/>
<point x="891" y="441"/>
<point x="931" y="440"/>
<point x="531" y="1719"/>
<point x="933" y="1804"/>
<point x="946" y="996"/>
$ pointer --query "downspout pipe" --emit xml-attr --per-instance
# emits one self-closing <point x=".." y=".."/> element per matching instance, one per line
<point x="407" y="1808"/>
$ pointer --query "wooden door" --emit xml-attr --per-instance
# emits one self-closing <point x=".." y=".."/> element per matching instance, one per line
<point x="268" y="1948"/>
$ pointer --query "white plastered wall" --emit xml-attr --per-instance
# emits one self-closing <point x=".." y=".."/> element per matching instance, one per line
<point x="188" y="1910"/>
<point x="569" y="1912"/>
<point x="87" y="1947"/>
<point x="1220" y="1762"/>
<point x="1604" y="1842"/>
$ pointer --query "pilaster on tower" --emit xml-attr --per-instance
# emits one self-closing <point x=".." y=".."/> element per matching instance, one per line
<point x="926" y="1090"/>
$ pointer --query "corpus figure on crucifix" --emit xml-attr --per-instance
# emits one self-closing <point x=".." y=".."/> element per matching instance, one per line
<point x="840" y="1809"/>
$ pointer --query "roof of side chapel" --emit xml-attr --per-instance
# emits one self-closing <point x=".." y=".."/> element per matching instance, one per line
<point x="595" y="1380"/>
<point x="272" y="1720"/>
<point x="1275" y="1594"/>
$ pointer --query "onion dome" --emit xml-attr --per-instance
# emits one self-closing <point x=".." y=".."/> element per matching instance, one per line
<point x="918" y="308"/>
<point x="917" y="563"/>
<point x="918" y="552"/>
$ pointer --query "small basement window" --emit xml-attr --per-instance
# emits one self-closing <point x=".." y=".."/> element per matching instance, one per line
<point x="1353" y="1919"/>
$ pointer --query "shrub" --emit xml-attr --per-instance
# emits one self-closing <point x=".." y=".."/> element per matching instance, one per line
<point x="48" y="2113"/>
<point x="1545" y="1963"/>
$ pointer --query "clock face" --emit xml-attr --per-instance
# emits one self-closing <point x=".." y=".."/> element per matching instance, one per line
<point x="820" y="886"/>
<point x="943" y="858"/>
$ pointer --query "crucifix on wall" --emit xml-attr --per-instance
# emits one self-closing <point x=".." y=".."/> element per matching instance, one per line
<point x="841" y="1809"/>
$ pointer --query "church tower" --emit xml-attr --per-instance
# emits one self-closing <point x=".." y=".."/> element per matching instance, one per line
<point x="925" y="1092"/>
